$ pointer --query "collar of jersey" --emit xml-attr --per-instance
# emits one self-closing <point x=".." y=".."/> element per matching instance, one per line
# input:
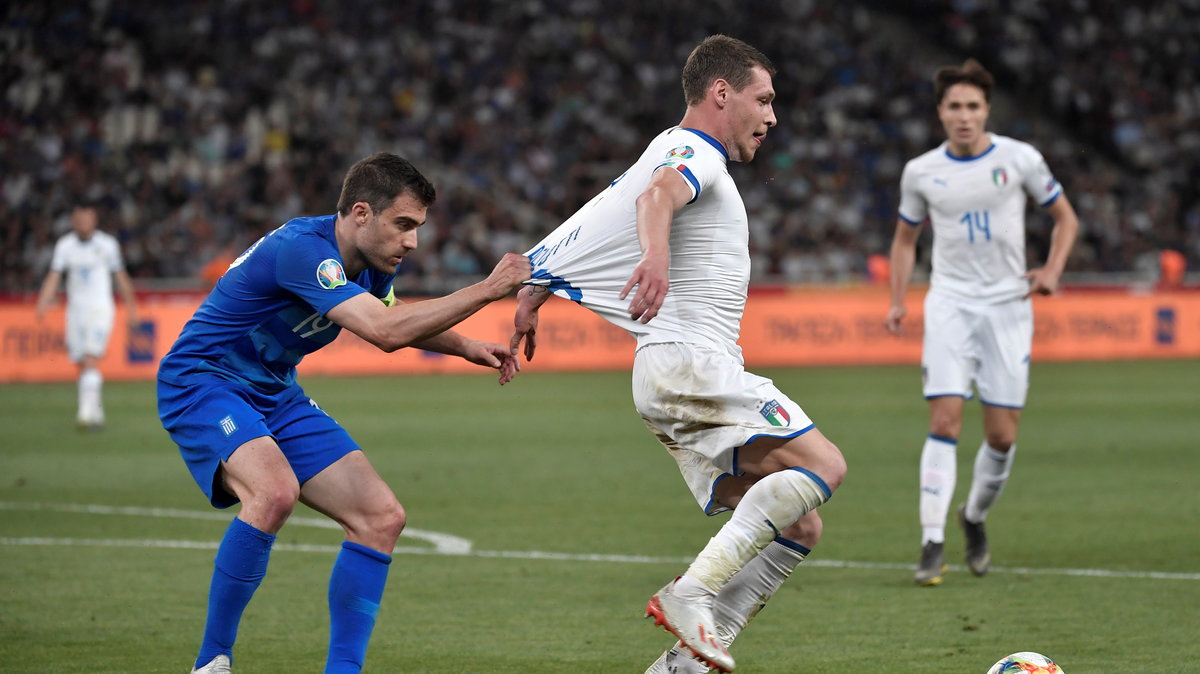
<point x="972" y="157"/>
<point x="711" y="141"/>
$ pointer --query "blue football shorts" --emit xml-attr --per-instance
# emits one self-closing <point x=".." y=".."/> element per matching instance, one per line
<point x="211" y="417"/>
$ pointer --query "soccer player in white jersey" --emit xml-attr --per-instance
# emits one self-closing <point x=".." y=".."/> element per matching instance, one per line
<point x="663" y="253"/>
<point x="91" y="260"/>
<point x="973" y="188"/>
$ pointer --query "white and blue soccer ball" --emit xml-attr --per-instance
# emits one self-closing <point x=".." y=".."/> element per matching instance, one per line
<point x="1025" y="662"/>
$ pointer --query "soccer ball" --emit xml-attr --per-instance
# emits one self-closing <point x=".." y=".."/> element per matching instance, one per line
<point x="1025" y="662"/>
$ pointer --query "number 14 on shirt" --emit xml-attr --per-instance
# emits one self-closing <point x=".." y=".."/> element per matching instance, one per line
<point x="977" y="221"/>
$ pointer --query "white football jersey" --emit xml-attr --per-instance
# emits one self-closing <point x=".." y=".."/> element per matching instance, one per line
<point x="590" y="257"/>
<point x="977" y="209"/>
<point x="89" y="266"/>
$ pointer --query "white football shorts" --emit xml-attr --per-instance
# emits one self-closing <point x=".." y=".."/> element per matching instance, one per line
<point x="985" y="344"/>
<point x="88" y="331"/>
<point x="703" y="406"/>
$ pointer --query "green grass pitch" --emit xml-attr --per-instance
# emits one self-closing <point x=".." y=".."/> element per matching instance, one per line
<point x="573" y="516"/>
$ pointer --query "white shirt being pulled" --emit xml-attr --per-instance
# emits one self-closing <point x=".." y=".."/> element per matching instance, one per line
<point x="590" y="257"/>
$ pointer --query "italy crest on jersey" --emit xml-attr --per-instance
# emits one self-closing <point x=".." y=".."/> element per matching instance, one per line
<point x="775" y="415"/>
<point x="999" y="176"/>
<point x="330" y="274"/>
<point x="681" y="152"/>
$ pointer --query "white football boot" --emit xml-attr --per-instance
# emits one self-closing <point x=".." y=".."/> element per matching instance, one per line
<point x="678" y="660"/>
<point x="693" y="623"/>
<point x="218" y="665"/>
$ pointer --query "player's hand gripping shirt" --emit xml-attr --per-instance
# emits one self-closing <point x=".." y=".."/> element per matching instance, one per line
<point x="89" y="266"/>
<point x="268" y="310"/>
<point x="977" y="209"/>
<point x="591" y="256"/>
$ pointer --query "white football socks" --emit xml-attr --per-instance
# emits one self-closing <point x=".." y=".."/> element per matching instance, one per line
<point x="90" y="405"/>
<point x="992" y="469"/>
<point x="938" y="474"/>
<point x="750" y="589"/>
<point x="771" y="504"/>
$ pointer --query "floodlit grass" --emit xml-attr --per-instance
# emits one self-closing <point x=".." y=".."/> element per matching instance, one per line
<point x="560" y="463"/>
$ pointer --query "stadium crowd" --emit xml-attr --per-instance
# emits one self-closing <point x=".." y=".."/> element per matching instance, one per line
<point x="199" y="126"/>
<point x="1125" y="77"/>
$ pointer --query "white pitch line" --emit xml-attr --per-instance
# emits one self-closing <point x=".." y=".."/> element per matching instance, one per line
<point x="461" y="550"/>
<point x="442" y="543"/>
<point x="571" y="557"/>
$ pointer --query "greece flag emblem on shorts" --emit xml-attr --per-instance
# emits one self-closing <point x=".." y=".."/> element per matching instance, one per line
<point x="775" y="414"/>
<point x="228" y="425"/>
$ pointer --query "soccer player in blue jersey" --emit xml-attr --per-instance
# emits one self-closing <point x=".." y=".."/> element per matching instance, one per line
<point x="973" y="189"/>
<point x="228" y="396"/>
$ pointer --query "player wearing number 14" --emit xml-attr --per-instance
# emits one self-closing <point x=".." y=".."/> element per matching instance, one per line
<point x="973" y="189"/>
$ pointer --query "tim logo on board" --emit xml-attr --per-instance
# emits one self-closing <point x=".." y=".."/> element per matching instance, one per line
<point x="139" y="343"/>
<point x="775" y="415"/>
<point x="1164" y="326"/>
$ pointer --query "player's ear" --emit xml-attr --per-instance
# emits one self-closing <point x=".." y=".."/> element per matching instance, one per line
<point x="361" y="211"/>
<point x="720" y="91"/>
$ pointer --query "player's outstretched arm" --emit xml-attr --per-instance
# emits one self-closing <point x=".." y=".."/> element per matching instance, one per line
<point x="487" y="354"/>
<point x="406" y="324"/>
<point x="903" y="258"/>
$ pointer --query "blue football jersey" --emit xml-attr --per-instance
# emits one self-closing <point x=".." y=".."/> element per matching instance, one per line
<point x="268" y="310"/>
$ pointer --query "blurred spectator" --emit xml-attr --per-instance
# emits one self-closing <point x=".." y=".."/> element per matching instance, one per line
<point x="215" y="268"/>
<point x="1144" y="112"/>
<point x="1171" y="266"/>
<point x="200" y="123"/>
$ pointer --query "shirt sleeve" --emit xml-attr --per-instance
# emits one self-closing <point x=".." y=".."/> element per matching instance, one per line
<point x="698" y="168"/>
<point x="913" y="207"/>
<point x="311" y="269"/>
<point x="58" y="259"/>
<point x="1038" y="181"/>
<point x="115" y="262"/>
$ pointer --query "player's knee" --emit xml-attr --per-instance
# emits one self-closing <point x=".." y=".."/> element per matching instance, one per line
<point x="945" y="417"/>
<point x="272" y="505"/>
<point x="945" y="425"/>
<point x="379" y="525"/>
<point x="815" y="454"/>
<point x="1001" y="441"/>
<point x="831" y="465"/>
<point x="390" y="522"/>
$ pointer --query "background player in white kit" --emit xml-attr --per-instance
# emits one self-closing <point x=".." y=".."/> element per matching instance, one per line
<point x="91" y="260"/>
<point x="674" y="227"/>
<point x="978" y="315"/>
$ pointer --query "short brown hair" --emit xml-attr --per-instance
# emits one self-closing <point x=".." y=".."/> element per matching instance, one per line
<point x="970" y="72"/>
<point x="720" y="57"/>
<point x="379" y="179"/>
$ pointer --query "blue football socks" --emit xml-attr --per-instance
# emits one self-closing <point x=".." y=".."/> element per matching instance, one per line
<point x="240" y="566"/>
<point x="355" y="590"/>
